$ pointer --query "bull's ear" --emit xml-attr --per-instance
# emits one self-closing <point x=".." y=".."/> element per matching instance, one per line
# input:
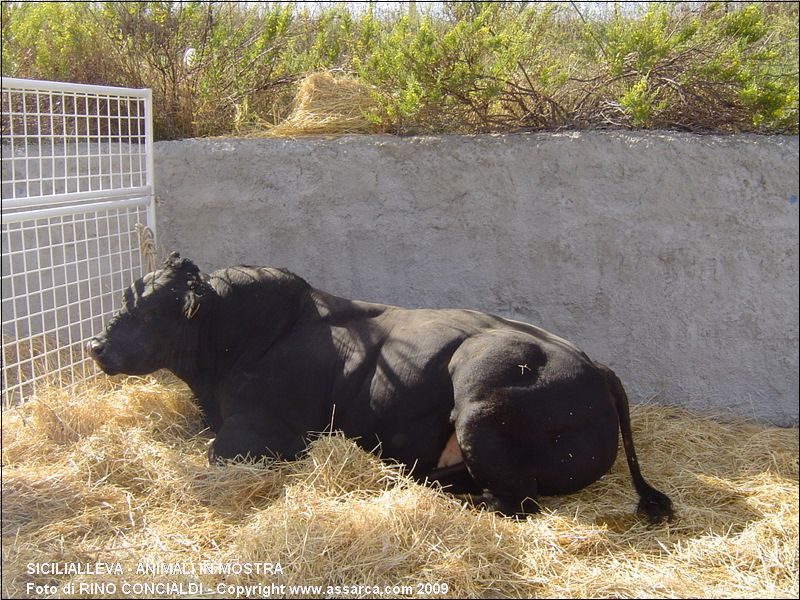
<point x="196" y="297"/>
<point x="173" y="261"/>
<point x="191" y="305"/>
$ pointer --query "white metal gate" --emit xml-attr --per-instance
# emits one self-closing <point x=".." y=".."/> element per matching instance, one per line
<point x="77" y="181"/>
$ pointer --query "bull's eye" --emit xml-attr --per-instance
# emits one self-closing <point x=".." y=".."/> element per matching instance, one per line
<point x="152" y="313"/>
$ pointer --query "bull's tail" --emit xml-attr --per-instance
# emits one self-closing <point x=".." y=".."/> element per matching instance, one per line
<point x="652" y="503"/>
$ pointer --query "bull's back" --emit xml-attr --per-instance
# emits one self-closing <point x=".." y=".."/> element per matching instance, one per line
<point x="419" y="344"/>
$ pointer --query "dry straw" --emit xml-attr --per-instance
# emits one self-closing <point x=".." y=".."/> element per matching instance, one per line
<point x="120" y="475"/>
<point x="331" y="105"/>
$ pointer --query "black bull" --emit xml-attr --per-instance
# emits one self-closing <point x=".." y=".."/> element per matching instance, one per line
<point x="500" y="409"/>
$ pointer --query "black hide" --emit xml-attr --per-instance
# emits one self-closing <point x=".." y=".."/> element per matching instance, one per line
<point x="272" y="359"/>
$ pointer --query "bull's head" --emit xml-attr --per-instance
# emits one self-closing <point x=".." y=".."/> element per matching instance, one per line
<point x="156" y="312"/>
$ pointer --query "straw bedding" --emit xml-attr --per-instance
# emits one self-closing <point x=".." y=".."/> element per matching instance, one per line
<point x="119" y="474"/>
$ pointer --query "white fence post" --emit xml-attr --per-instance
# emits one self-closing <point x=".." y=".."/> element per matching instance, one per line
<point x="77" y="178"/>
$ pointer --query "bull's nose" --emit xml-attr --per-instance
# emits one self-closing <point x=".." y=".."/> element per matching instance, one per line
<point x="95" y="347"/>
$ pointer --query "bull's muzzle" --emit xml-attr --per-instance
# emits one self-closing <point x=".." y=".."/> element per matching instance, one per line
<point x="95" y="347"/>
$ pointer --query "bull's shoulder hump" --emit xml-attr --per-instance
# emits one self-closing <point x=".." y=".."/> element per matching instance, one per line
<point x="340" y="310"/>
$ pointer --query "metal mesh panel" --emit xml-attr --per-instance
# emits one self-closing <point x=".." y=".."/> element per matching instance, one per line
<point x="76" y="180"/>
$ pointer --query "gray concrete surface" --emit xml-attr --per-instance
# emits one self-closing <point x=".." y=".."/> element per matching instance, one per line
<point x="671" y="257"/>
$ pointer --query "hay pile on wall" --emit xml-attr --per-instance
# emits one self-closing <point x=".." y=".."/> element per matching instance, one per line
<point x="328" y="105"/>
<point x="121" y="476"/>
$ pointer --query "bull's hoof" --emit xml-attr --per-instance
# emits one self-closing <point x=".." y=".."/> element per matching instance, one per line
<point x="657" y="507"/>
<point x="505" y="506"/>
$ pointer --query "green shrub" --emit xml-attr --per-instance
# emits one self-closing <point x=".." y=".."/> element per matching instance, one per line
<point x="221" y="68"/>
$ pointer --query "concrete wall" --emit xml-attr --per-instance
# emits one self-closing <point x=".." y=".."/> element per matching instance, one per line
<point x="671" y="257"/>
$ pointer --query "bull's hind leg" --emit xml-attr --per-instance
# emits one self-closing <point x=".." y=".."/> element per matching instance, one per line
<point x="457" y="480"/>
<point x="504" y="505"/>
<point x="528" y="423"/>
<point x="500" y="468"/>
<point x="486" y="370"/>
